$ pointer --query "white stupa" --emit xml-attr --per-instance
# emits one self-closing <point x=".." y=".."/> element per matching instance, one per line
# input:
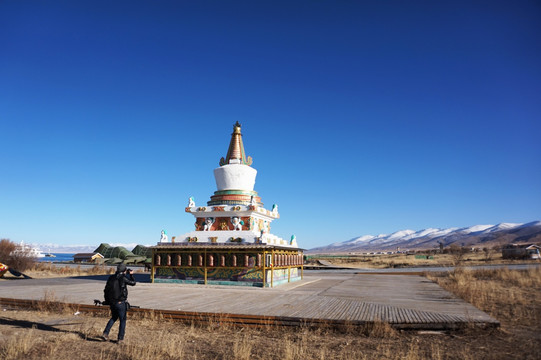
<point x="235" y="213"/>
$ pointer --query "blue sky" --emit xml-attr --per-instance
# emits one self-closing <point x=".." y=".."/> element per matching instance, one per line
<point x="361" y="117"/>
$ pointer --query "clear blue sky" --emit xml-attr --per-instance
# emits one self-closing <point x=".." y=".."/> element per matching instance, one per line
<point x="361" y="117"/>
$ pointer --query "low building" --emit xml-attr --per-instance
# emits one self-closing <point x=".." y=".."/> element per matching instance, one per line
<point x="521" y="251"/>
<point x="87" y="257"/>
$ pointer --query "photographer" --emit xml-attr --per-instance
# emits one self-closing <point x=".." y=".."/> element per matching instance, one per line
<point x="116" y="294"/>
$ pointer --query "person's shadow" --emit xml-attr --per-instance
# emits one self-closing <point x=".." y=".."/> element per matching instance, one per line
<point x="32" y="324"/>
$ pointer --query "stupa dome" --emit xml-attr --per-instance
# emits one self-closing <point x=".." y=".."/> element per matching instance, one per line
<point x="235" y="178"/>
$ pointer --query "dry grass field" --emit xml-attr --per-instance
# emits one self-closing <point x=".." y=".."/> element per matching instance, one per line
<point x="41" y="270"/>
<point x="44" y="270"/>
<point x="513" y="297"/>
<point x="410" y="260"/>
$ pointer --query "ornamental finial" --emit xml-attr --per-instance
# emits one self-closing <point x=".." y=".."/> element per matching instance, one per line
<point x="235" y="152"/>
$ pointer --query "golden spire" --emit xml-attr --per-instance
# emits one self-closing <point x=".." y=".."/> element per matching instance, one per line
<point x="235" y="153"/>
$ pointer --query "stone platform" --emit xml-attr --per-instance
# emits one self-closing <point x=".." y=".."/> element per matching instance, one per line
<point x="404" y="301"/>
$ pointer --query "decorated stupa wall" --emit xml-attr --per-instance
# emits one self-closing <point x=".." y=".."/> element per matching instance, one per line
<point x="258" y="266"/>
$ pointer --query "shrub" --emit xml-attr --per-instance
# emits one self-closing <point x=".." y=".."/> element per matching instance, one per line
<point x="18" y="260"/>
<point x="457" y="254"/>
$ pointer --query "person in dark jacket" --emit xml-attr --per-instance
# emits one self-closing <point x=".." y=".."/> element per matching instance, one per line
<point x="118" y="305"/>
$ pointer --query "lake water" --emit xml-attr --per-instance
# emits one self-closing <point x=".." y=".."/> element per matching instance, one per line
<point x="58" y="258"/>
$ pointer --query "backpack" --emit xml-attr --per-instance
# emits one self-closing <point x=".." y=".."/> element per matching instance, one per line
<point x="112" y="290"/>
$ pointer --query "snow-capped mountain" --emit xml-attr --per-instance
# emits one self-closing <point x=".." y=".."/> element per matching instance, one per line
<point x="67" y="249"/>
<point x="477" y="235"/>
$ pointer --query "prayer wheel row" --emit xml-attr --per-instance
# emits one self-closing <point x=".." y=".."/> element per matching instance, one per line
<point x="235" y="260"/>
<point x="287" y="260"/>
<point x="230" y="260"/>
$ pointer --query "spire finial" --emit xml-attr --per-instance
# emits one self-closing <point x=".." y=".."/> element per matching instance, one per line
<point x="235" y="152"/>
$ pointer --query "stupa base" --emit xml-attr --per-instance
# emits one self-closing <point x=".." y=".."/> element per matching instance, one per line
<point x="226" y="264"/>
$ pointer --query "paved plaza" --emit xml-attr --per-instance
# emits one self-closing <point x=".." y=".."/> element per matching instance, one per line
<point x="406" y="301"/>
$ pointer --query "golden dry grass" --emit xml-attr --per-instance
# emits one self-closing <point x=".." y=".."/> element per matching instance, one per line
<point x="43" y="270"/>
<point x="513" y="297"/>
<point x="410" y="260"/>
<point x="151" y="339"/>
<point x="48" y="270"/>
<point x="510" y="295"/>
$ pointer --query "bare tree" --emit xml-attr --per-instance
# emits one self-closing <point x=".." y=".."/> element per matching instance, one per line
<point x="15" y="257"/>
<point x="457" y="254"/>
<point x="488" y="253"/>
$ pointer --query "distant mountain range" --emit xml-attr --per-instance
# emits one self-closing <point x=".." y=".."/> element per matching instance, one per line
<point x="65" y="249"/>
<point x="73" y="249"/>
<point x="478" y="236"/>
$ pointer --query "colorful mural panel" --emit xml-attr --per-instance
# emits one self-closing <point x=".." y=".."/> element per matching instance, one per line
<point x="216" y="274"/>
